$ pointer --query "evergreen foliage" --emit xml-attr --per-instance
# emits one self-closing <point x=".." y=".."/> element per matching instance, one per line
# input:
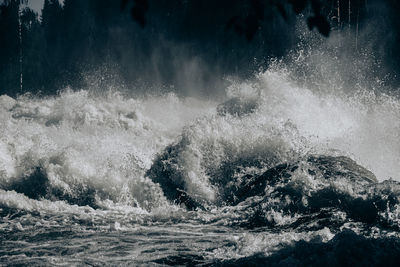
<point x="152" y="42"/>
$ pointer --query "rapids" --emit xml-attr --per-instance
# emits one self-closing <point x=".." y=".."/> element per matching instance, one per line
<point x="281" y="165"/>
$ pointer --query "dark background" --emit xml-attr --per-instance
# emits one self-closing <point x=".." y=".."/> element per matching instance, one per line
<point x="185" y="46"/>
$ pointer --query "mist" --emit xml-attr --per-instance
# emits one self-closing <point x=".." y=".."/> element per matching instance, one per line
<point x="190" y="48"/>
<point x="200" y="133"/>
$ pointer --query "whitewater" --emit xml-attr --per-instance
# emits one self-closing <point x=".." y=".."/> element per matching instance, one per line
<point x="297" y="166"/>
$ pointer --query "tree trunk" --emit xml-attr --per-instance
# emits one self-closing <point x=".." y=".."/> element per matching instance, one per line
<point x="349" y="14"/>
<point x="20" y="48"/>
<point x="358" y="15"/>
<point x="338" y="13"/>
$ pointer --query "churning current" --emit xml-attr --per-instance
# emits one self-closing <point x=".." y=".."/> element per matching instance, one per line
<point x="283" y="171"/>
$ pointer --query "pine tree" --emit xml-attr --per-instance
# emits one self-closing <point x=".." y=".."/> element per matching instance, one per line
<point x="10" y="68"/>
<point x="51" y="22"/>
<point x="33" y="47"/>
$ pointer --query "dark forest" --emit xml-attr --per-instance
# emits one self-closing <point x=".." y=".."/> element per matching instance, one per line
<point x="164" y="44"/>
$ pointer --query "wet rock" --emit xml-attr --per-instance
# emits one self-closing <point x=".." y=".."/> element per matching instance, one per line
<point x="319" y="166"/>
<point x="327" y="167"/>
<point x="341" y="167"/>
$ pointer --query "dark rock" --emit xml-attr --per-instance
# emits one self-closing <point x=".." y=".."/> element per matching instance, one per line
<point x="341" y="166"/>
<point x="328" y="167"/>
<point x="165" y="173"/>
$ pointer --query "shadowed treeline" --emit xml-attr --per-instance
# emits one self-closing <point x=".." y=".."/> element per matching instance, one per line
<point x="150" y="44"/>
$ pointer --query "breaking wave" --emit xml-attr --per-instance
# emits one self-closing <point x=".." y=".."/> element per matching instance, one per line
<point x="277" y="153"/>
<point x="83" y="148"/>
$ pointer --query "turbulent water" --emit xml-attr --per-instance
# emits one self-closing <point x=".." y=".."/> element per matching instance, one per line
<point x="283" y="172"/>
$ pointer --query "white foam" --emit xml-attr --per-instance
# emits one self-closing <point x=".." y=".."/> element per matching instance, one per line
<point x="108" y="142"/>
<point x="80" y="140"/>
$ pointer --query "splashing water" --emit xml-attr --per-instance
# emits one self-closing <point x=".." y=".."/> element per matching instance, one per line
<point x="166" y="180"/>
